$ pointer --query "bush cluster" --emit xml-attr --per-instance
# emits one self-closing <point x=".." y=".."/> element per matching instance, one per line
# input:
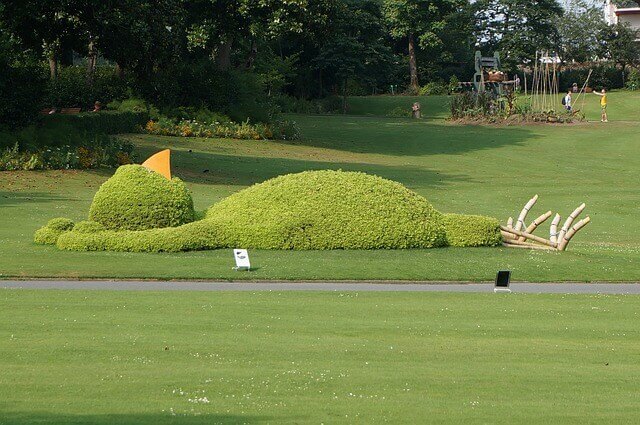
<point x="105" y="122"/>
<point x="72" y="89"/>
<point x="434" y="88"/>
<point x="471" y="230"/>
<point x="310" y="210"/>
<point x="280" y="130"/>
<point x="98" y="151"/>
<point x="135" y="198"/>
<point x="49" y="234"/>
<point x="604" y="75"/>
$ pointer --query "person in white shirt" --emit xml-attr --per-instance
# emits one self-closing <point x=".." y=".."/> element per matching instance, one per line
<point x="567" y="101"/>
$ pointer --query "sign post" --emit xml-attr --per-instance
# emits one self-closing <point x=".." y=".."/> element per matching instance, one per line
<point x="242" y="259"/>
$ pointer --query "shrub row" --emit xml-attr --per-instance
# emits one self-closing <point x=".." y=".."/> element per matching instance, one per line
<point x="99" y="151"/>
<point x="106" y="122"/>
<point x="280" y="130"/>
<point x="471" y="230"/>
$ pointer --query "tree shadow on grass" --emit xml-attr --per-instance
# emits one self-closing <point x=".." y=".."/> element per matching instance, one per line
<point x="17" y="198"/>
<point x="138" y="419"/>
<point x="209" y="168"/>
<point x="404" y="138"/>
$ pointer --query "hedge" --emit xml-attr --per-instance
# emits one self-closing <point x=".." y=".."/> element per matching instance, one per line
<point x="328" y="210"/>
<point x="471" y="230"/>
<point x="49" y="234"/>
<point x="104" y="122"/>
<point x="135" y="198"/>
<point x="310" y="210"/>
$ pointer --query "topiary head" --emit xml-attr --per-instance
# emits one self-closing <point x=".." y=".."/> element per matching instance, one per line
<point x="135" y="198"/>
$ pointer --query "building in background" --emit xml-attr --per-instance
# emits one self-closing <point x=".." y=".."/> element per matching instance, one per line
<point x="614" y="14"/>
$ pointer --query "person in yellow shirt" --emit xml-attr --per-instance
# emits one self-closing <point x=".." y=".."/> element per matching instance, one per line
<point x="603" y="105"/>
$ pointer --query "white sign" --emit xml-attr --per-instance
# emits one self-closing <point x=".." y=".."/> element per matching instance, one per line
<point x="242" y="259"/>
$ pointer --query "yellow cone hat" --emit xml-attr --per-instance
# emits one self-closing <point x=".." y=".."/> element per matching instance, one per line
<point x="160" y="163"/>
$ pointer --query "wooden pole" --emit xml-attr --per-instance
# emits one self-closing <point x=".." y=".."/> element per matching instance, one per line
<point x="529" y="236"/>
<point x="569" y="221"/>
<point x="523" y="214"/>
<point x="537" y="222"/>
<point x="553" y="232"/>
<point x="571" y="233"/>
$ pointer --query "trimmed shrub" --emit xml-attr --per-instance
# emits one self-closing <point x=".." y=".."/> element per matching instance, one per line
<point x="60" y="223"/>
<point x="49" y="234"/>
<point x="327" y="210"/>
<point x="104" y="122"/>
<point x="88" y="227"/>
<point x="135" y="198"/>
<point x="471" y="230"/>
<point x="195" y="236"/>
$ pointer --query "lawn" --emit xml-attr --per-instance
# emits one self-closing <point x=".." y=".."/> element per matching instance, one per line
<point x="468" y="169"/>
<point x="270" y="357"/>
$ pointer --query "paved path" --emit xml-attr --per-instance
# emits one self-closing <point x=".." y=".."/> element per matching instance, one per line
<point x="120" y="285"/>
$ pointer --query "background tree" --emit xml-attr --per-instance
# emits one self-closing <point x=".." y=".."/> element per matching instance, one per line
<point x="619" y="44"/>
<point x="422" y="24"/>
<point x="517" y="28"/>
<point x="579" y="30"/>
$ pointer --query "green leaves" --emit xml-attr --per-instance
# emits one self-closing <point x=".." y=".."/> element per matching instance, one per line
<point x="138" y="199"/>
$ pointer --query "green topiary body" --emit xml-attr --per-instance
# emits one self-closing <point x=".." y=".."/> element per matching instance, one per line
<point x="138" y="199"/>
<point x="472" y="230"/>
<point x="328" y="210"/>
<point x="49" y="234"/>
<point x="140" y="211"/>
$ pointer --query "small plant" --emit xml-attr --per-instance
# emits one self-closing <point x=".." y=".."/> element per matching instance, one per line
<point x="633" y="80"/>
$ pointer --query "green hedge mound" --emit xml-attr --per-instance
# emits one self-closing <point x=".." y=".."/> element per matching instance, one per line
<point x="138" y="199"/>
<point x="196" y="236"/>
<point x="472" y="230"/>
<point x="49" y="234"/>
<point x="327" y="210"/>
<point x="88" y="227"/>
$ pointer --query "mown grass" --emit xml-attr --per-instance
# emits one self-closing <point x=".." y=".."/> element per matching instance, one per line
<point x="268" y="357"/>
<point x="466" y="169"/>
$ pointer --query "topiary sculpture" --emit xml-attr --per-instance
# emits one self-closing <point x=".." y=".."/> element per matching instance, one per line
<point x="141" y="210"/>
<point x="136" y="198"/>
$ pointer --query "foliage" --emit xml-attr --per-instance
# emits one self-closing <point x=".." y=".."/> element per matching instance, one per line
<point x="471" y="230"/>
<point x="21" y="85"/>
<point x="633" y="80"/>
<point x="579" y="42"/>
<point x="99" y="151"/>
<point x="434" y="88"/>
<point x="135" y="198"/>
<point x="105" y="122"/>
<point x="49" y="234"/>
<point x="281" y="129"/>
<point x="87" y="226"/>
<point x="72" y="89"/>
<point x="603" y="74"/>
<point x="327" y="210"/>
<point x="517" y="28"/>
<point x="618" y="43"/>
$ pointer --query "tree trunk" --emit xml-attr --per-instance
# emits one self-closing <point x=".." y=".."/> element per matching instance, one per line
<point x="53" y="66"/>
<point x="253" y="53"/>
<point x="223" y="56"/>
<point x="119" y="71"/>
<point x="92" y="58"/>
<point x="344" y="96"/>
<point x="413" y="66"/>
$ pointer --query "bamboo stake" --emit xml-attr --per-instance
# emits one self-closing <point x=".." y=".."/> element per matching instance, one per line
<point x="571" y="233"/>
<point x="553" y="233"/>
<point x="537" y="222"/>
<point x="529" y="236"/>
<point x="527" y="246"/>
<point x="510" y="222"/>
<point x="584" y="86"/>
<point x="569" y="221"/>
<point x="523" y="214"/>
